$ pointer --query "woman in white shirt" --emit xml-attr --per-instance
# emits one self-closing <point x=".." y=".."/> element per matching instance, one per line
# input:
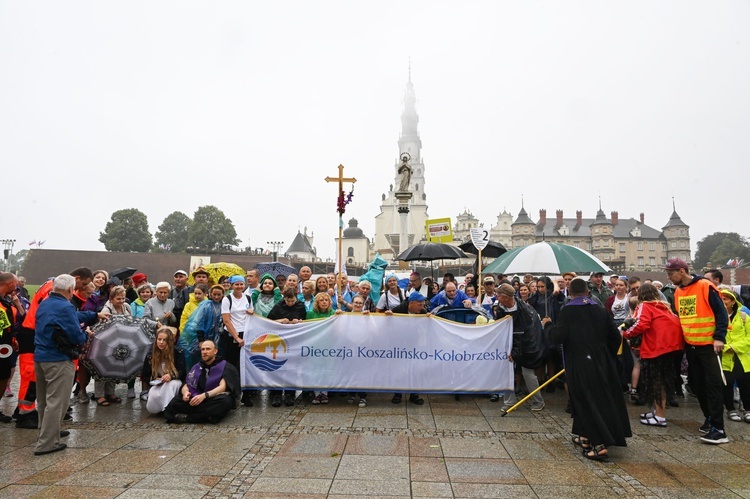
<point x="235" y="307"/>
<point x="393" y="295"/>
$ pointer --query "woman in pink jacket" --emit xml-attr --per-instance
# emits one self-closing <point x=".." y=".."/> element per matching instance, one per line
<point x="661" y="340"/>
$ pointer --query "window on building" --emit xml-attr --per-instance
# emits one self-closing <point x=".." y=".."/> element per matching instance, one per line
<point x="664" y="246"/>
<point x="350" y="251"/>
<point x="577" y="244"/>
<point x="596" y="231"/>
<point x="640" y="246"/>
<point x="682" y="244"/>
<point x="652" y="261"/>
<point x="640" y="261"/>
<point x="606" y="256"/>
<point x="588" y="246"/>
<point x="651" y="246"/>
<point x="596" y="244"/>
<point x="622" y="247"/>
<point x="674" y="244"/>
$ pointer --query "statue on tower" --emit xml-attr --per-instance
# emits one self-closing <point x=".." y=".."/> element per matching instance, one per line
<point x="405" y="171"/>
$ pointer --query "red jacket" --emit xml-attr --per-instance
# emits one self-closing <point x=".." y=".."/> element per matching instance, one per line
<point x="660" y="329"/>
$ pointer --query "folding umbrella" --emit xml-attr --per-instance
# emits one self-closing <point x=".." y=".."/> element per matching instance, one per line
<point x="431" y="251"/>
<point x="546" y="258"/>
<point x="123" y="273"/>
<point x="218" y="269"/>
<point x="118" y="348"/>
<point x="275" y="268"/>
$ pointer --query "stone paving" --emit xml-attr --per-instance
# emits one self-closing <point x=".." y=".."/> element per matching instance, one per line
<point x="445" y="448"/>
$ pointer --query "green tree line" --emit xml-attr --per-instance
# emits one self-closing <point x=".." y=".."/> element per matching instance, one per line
<point x="208" y="231"/>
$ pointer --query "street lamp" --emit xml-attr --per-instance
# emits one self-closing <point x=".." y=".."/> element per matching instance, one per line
<point x="276" y="246"/>
<point x="7" y="251"/>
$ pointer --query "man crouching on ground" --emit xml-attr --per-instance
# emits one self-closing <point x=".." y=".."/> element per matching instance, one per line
<point x="209" y="390"/>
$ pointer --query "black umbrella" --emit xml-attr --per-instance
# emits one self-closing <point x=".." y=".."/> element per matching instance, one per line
<point x="123" y="273"/>
<point x="431" y="251"/>
<point x="492" y="250"/>
<point x="118" y="347"/>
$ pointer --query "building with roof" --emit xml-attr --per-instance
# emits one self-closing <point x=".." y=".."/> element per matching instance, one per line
<point x="355" y="246"/>
<point x="302" y="247"/>
<point x="623" y="244"/>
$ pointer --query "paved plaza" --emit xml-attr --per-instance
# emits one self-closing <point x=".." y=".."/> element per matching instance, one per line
<point x="445" y="448"/>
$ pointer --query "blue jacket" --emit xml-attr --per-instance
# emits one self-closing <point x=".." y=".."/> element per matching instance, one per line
<point x="441" y="299"/>
<point x="53" y="312"/>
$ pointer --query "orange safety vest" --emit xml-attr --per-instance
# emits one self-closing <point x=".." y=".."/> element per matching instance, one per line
<point x="696" y="317"/>
<point x="41" y="294"/>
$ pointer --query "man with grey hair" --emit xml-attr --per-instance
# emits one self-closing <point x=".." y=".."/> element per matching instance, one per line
<point x="22" y="287"/>
<point x="58" y="336"/>
<point x="528" y="345"/>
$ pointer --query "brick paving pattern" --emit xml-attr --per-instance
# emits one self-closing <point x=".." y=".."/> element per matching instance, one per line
<point x="445" y="448"/>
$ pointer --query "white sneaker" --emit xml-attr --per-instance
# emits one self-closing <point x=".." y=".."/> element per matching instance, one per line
<point x="535" y="407"/>
<point x="362" y="403"/>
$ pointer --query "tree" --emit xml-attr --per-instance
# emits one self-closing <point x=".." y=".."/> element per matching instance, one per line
<point x="211" y="230"/>
<point x="730" y="249"/>
<point x="15" y="261"/>
<point x="173" y="232"/>
<point x="127" y="231"/>
<point x="709" y="244"/>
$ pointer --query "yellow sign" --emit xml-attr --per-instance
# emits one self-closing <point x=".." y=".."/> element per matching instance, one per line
<point x="439" y="230"/>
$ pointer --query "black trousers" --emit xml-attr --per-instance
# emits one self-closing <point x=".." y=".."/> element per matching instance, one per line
<point x="231" y="349"/>
<point x="739" y="376"/>
<point x="211" y="410"/>
<point x="704" y="372"/>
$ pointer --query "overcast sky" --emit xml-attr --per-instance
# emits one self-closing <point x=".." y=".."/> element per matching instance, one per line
<point x="248" y="106"/>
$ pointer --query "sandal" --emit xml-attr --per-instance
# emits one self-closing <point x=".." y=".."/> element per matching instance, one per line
<point x="102" y="402"/>
<point x="646" y="415"/>
<point x="654" y="421"/>
<point x="494" y="397"/>
<point x="113" y="399"/>
<point x="734" y="416"/>
<point x="581" y="442"/>
<point x="598" y="453"/>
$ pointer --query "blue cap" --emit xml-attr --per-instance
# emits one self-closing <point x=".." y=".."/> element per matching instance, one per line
<point x="236" y="278"/>
<point x="416" y="296"/>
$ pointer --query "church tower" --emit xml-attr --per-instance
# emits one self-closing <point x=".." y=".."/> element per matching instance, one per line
<point x="677" y="234"/>
<point x="387" y="227"/>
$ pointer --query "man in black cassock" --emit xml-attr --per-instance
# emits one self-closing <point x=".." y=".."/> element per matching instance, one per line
<point x="590" y="342"/>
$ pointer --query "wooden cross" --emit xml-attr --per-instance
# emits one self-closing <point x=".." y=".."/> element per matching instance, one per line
<point x="340" y="179"/>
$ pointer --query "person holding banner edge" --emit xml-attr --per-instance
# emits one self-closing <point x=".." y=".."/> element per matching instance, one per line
<point x="414" y="304"/>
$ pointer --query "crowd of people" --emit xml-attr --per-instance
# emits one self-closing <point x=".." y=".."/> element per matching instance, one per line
<point x="616" y="339"/>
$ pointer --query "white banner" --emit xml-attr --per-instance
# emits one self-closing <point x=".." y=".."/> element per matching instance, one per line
<point x="378" y="353"/>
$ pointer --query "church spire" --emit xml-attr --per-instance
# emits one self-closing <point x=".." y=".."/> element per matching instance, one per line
<point x="409" y="117"/>
<point x="409" y="141"/>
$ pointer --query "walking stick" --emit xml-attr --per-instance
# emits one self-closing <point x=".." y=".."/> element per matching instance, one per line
<point x="553" y="378"/>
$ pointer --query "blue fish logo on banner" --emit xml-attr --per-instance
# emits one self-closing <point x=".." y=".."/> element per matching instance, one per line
<point x="265" y="350"/>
